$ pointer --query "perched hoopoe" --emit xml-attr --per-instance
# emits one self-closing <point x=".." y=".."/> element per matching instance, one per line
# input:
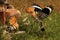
<point x="39" y="13"/>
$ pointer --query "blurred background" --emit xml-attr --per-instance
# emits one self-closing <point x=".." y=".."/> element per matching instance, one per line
<point x="52" y="23"/>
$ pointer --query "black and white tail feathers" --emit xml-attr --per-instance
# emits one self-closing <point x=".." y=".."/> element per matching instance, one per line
<point x="37" y="7"/>
<point x="48" y="9"/>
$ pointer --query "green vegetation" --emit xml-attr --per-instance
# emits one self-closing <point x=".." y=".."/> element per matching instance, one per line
<point x="52" y="26"/>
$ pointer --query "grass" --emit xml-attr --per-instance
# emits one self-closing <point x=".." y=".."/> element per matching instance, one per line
<point x="52" y="26"/>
